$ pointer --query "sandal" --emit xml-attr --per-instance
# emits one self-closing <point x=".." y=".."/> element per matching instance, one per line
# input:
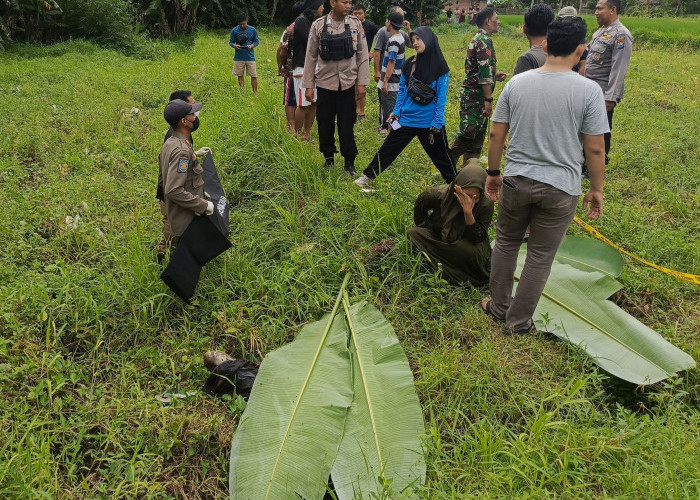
<point x="486" y="307"/>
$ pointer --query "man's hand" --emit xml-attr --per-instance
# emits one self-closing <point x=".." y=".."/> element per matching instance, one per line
<point x="493" y="186"/>
<point x="361" y="90"/>
<point x="407" y="25"/>
<point x="392" y="116"/>
<point x="609" y="106"/>
<point x="465" y="200"/>
<point x="201" y="153"/>
<point x="210" y="208"/>
<point x="236" y="46"/>
<point x="488" y="109"/>
<point x="377" y="76"/>
<point x="385" y="88"/>
<point x="309" y="94"/>
<point x="501" y="76"/>
<point x="251" y="46"/>
<point x="593" y="202"/>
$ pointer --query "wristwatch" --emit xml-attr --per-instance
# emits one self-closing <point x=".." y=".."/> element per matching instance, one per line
<point x="493" y="173"/>
<point x="488" y="99"/>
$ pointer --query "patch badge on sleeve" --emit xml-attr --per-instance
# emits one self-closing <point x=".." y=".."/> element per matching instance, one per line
<point x="183" y="166"/>
<point x="620" y="42"/>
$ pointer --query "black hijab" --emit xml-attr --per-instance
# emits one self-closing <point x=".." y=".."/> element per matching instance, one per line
<point x="431" y="64"/>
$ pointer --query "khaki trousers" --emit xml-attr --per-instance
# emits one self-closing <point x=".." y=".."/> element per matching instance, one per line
<point x="548" y="211"/>
<point x="166" y="238"/>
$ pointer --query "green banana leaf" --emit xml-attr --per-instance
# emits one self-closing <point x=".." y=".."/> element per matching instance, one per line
<point x="291" y="429"/>
<point x="385" y="422"/>
<point x="575" y="308"/>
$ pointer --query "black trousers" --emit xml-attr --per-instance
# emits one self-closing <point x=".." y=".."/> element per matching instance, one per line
<point x="434" y="144"/>
<point x="606" y="137"/>
<point x="329" y="105"/>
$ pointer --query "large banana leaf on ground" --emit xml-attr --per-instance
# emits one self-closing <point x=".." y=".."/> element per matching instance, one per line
<point x="291" y="429"/>
<point x="380" y="453"/>
<point x="339" y="398"/>
<point x="576" y="309"/>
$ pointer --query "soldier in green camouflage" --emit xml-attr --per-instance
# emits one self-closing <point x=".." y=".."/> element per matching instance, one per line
<point x="475" y="97"/>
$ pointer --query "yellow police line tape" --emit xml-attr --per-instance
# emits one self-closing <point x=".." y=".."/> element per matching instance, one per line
<point x="676" y="274"/>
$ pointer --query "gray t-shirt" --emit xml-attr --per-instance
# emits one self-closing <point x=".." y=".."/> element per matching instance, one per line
<point x="382" y="37"/>
<point x="532" y="59"/>
<point x="547" y="112"/>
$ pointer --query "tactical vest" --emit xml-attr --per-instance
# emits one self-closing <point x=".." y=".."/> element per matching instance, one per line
<point x="336" y="47"/>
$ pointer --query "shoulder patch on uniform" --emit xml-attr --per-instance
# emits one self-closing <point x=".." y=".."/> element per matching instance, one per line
<point x="620" y="41"/>
<point x="183" y="166"/>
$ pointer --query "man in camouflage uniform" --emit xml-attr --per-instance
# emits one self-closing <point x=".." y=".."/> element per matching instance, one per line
<point x="475" y="98"/>
<point x="609" y="57"/>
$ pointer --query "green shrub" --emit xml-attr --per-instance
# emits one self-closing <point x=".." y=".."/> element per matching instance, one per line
<point x="107" y="22"/>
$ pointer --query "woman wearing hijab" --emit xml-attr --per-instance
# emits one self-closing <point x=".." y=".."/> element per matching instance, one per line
<point x="419" y="110"/>
<point x="452" y="226"/>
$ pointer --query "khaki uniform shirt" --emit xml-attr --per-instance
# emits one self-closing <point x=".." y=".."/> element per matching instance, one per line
<point x="331" y="75"/>
<point x="183" y="184"/>
<point x="608" y="59"/>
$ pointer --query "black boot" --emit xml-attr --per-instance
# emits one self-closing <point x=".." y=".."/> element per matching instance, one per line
<point x="329" y="163"/>
<point x="350" y="166"/>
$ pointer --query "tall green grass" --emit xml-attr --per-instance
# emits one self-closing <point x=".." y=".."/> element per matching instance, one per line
<point x="90" y="335"/>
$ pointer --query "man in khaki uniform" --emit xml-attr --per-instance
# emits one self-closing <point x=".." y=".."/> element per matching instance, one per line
<point x="183" y="184"/>
<point x="608" y="58"/>
<point x="337" y="64"/>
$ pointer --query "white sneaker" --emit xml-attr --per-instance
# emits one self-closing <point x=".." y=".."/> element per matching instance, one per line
<point x="362" y="181"/>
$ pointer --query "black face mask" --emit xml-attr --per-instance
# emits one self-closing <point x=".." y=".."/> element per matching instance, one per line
<point x="195" y="124"/>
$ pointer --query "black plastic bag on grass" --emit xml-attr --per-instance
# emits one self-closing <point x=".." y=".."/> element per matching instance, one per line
<point x="232" y="376"/>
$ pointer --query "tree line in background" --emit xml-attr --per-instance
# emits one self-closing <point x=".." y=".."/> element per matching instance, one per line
<point x="115" y="22"/>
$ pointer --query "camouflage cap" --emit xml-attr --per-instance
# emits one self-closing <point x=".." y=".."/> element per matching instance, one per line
<point x="567" y="11"/>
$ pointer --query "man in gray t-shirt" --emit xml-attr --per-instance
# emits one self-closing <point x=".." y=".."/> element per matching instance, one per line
<point x="550" y="112"/>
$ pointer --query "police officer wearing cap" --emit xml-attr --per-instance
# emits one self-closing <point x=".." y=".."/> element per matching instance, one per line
<point x="183" y="184"/>
<point x="337" y="64"/>
<point x="609" y="57"/>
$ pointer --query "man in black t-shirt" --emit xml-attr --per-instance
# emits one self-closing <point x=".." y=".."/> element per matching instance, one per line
<point x="306" y="110"/>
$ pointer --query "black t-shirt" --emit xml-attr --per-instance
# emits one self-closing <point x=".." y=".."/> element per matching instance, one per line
<point x="302" y="26"/>
<point x="370" y="31"/>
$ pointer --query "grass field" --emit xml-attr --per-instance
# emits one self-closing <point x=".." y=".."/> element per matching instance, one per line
<point x="657" y="33"/>
<point x="90" y="335"/>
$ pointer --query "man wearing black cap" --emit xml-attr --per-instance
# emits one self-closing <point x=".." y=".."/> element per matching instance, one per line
<point x="183" y="184"/>
<point x="337" y="64"/>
